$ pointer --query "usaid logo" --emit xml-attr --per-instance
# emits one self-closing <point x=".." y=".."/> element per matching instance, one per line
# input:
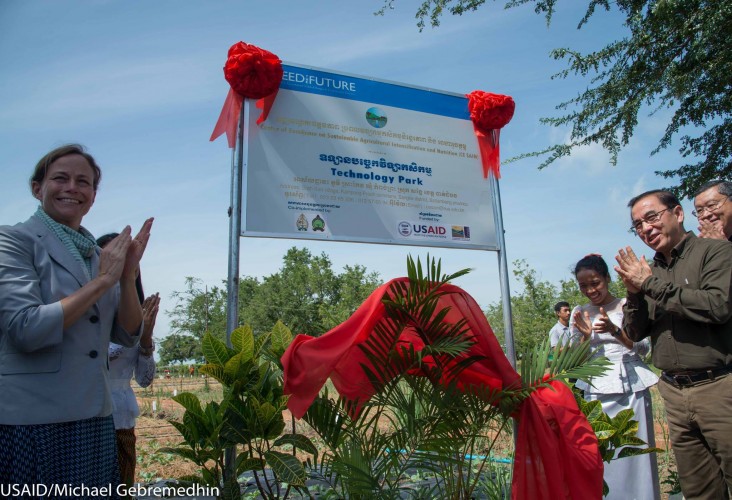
<point x="404" y="228"/>
<point x="429" y="230"/>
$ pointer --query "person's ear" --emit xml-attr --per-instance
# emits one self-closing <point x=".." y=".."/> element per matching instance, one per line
<point x="678" y="211"/>
<point x="36" y="189"/>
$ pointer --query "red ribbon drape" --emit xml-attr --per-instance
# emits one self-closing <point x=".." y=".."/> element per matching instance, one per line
<point x="229" y="117"/>
<point x="252" y="73"/>
<point x="556" y="452"/>
<point x="490" y="152"/>
<point x="489" y="113"/>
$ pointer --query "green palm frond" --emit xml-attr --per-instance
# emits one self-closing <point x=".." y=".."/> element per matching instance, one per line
<point x="382" y="352"/>
<point x="578" y="361"/>
<point x="327" y="418"/>
<point x="575" y="361"/>
<point x="354" y="463"/>
<point x="534" y="365"/>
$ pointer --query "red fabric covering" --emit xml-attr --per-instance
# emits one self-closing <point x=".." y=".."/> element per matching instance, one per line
<point x="556" y="450"/>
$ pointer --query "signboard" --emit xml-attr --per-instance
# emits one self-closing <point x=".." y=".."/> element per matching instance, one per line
<point x="348" y="158"/>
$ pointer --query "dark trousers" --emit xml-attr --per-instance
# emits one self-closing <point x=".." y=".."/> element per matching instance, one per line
<point x="126" y="455"/>
<point x="700" y="426"/>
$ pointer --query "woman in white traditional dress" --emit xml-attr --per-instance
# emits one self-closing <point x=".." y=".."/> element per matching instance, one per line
<point x="627" y="382"/>
<point x="124" y="364"/>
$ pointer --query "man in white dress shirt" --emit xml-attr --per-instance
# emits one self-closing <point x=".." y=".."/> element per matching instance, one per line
<point x="559" y="334"/>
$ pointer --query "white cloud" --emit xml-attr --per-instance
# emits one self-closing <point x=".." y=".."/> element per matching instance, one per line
<point x="107" y="89"/>
<point x="592" y="159"/>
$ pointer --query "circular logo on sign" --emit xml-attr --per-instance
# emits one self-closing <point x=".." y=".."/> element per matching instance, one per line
<point x="376" y="117"/>
<point x="405" y="228"/>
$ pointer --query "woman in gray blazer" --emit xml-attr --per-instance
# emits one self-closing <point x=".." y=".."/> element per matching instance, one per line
<point x="62" y="299"/>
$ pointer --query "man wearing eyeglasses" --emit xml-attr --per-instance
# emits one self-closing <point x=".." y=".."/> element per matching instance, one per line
<point x="683" y="301"/>
<point x="712" y="208"/>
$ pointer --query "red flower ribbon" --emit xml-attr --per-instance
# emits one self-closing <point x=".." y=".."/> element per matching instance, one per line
<point x="252" y="73"/>
<point x="490" y="112"/>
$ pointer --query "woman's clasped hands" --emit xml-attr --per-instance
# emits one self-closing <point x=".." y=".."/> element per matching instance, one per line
<point x="120" y="258"/>
<point x="602" y="324"/>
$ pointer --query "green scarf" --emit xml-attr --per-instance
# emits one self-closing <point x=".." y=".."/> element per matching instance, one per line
<point x="80" y="243"/>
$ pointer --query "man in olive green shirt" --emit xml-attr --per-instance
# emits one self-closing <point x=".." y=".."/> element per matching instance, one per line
<point x="683" y="300"/>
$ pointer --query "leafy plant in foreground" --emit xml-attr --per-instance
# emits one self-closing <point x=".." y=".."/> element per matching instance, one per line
<point x="617" y="436"/>
<point x="248" y="420"/>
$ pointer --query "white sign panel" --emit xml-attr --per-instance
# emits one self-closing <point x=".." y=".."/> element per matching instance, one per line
<point x="348" y="158"/>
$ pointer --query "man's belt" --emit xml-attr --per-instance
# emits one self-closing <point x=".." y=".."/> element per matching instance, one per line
<point x="688" y="378"/>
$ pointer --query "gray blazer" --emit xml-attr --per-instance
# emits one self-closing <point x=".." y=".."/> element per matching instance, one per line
<point x="49" y="374"/>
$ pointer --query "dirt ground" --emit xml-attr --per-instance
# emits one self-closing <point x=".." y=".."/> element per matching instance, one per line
<point x="153" y="431"/>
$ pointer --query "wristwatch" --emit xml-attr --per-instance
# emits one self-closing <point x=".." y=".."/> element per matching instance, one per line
<point x="146" y="351"/>
<point x="617" y="332"/>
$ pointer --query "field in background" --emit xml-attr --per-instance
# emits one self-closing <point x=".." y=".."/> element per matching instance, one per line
<point x="156" y="407"/>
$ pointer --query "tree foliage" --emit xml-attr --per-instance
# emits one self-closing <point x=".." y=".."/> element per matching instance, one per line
<point x="676" y="57"/>
<point x="306" y="294"/>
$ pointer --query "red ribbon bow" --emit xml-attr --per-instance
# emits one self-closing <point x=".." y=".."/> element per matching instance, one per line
<point x="490" y="112"/>
<point x="252" y="73"/>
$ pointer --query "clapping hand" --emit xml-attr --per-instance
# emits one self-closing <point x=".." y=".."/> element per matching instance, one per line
<point x="150" y="310"/>
<point x="121" y="256"/>
<point x="711" y="229"/>
<point x="632" y="271"/>
<point x="583" y="324"/>
<point x="136" y="249"/>
<point x="603" y="323"/>
<point x="150" y="307"/>
<point x="113" y="256"/>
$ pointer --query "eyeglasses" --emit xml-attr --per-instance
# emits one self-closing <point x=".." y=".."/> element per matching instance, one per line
<point x="651" y="218"/>
<point x="710" y="207"/>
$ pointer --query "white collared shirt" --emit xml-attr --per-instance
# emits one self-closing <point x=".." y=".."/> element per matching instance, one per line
<point x="559" y="334"/>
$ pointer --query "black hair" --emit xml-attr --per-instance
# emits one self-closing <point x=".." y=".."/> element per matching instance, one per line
<point x="593" y="262"/>
<point x="667" y="198"/>
<point x="723" y="187"/>
<point x="558" y="306"/>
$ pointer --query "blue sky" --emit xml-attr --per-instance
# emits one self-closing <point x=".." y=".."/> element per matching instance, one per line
<point x="140" y="83"/>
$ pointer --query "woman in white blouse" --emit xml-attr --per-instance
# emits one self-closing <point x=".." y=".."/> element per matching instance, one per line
<point x="626" y="383"/>
<point x="124" y="364"/>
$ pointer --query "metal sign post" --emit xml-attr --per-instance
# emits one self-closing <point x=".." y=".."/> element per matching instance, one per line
<point x="232" y="282"/>
<point x="503" y="273"/>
